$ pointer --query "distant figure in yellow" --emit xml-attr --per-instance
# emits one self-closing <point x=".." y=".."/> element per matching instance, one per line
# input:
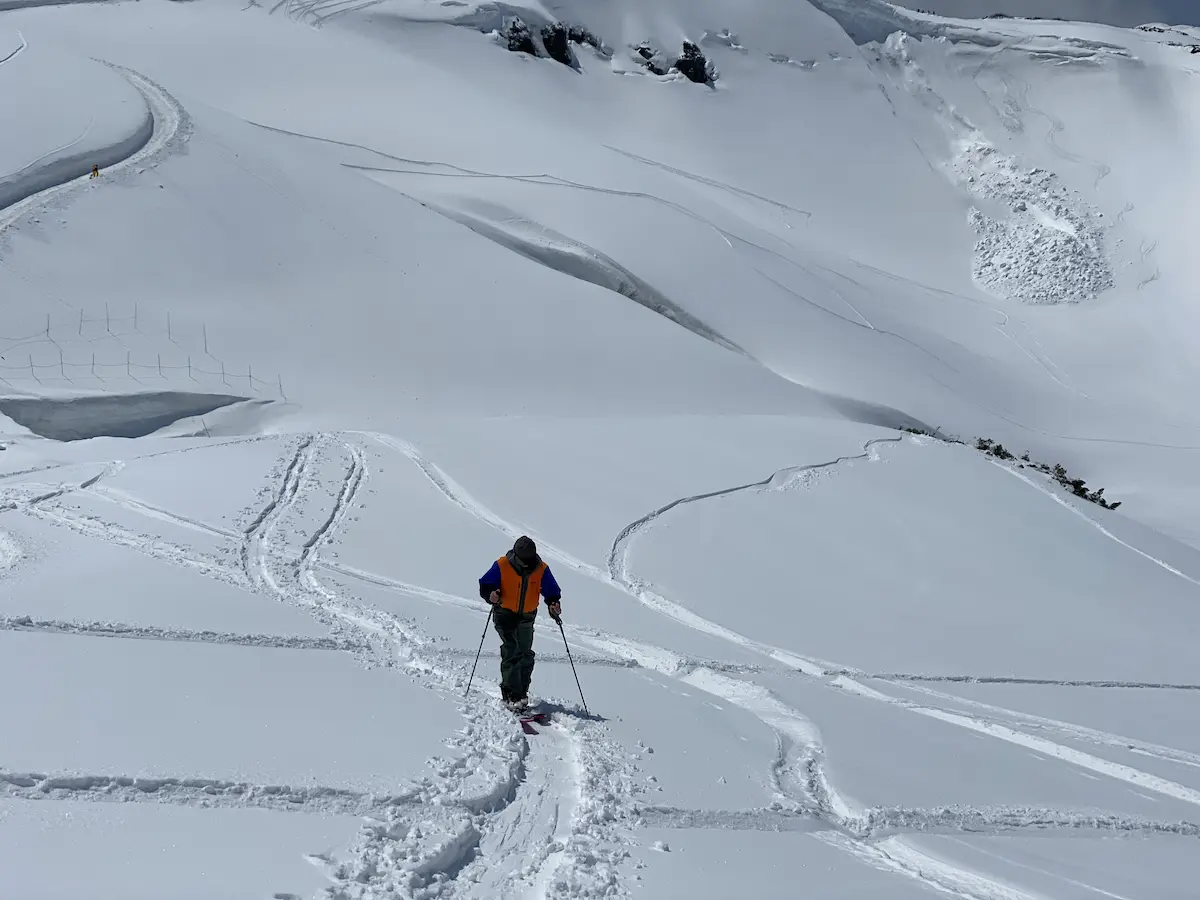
<point x="95" y="172"/>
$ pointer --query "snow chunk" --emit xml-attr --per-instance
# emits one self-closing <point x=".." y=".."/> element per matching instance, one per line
<point x="1038" y="243"/>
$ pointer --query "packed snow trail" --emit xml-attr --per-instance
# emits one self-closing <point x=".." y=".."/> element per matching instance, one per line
<point x="522" y="829"/>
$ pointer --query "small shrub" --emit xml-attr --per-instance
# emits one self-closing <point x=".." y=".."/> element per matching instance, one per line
<point x="1076" y="486"/>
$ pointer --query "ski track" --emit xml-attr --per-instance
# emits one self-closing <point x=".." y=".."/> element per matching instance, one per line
<point x="792" y="727"/>
<point x="539" y="830"/>
<point x="157" y="633"/>
<point x="155" y="547"/>
<point x="1014" y="680"/>
<point x="712" y="182"/>
<point x="8" y="57"/>
<point x="993" y="713"/>
<point x="172" y="128"/>
<point x="135" y="505"/>
<point x="200" y="792"/>
<point x="512" y="827"/>
<point x="1104" y="531"/>
<point x="782" y="720"/>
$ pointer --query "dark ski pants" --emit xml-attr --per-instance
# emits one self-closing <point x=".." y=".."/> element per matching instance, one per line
<point x="516" y="651"/>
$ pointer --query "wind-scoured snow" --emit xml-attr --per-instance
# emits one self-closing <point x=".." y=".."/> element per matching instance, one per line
<point x="366" y="290"/>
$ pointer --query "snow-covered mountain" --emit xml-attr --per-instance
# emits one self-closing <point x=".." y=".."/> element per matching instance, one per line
<point x="800" y="336"/>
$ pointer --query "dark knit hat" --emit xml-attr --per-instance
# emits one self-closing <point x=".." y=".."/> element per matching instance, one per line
<point x="525" y="550"/>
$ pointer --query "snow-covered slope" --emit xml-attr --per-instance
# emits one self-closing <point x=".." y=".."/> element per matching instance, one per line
<point x="63" y="114"/>
<point x="360" y="296"/>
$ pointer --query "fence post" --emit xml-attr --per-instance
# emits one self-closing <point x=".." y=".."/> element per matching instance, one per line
<point x="160" y="374"/>
<point x="47" y="326"/>
<point x="223" y="381"/>
<point x="135" y="317"/>
<point x="62" y="366"/>
<point x="81" y="323"/>
<point x="93" y="365"/>
<point x="169" y="338"/>
<point x="129" y="363"/>
<point x="32" y="370"/>
<point x="190" y="368"/>
<point x="281" y="393"/>
<point x="204" y="329"/>
<point x="107" y="319"/>
<point x="250" y="377"/>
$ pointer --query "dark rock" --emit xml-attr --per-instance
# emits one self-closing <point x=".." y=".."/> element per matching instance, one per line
<point x="693" y="64"/>
<point x="555" y="39"/>
<point x="652" y="58"/>
<point x="519" y="38"/>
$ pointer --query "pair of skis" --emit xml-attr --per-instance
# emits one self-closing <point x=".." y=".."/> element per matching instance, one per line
<point x="527" y="721"/>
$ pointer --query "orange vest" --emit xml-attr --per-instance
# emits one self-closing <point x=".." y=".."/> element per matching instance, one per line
<point x="511" y="594"/>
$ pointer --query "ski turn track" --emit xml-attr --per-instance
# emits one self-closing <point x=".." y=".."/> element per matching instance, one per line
<point x="799" y="772"/>
<point x="801" y="750"/>
<point x="172" y="129"/>
<point x="498" y="840"/>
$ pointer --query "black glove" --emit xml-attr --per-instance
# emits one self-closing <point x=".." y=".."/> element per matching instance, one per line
<point x="555" y="608"/>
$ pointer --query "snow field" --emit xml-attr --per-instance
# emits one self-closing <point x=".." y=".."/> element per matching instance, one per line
<point x="138" y="851"/>
<point x="672" y="333"/>
<point x="136" y="580"/>
<point x="1161" y="715"/>
<point x="1076" y="869"/>
<point x="920" y="491"/>
<point x="746" y="778"/>
<point x="1177" y="767"/>
<point x="102" y="689"/>
<point x="777" y="864"/>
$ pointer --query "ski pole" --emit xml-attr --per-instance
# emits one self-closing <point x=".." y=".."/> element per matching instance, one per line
<point x="568" y="646"/>
<point x="482" y="637"/>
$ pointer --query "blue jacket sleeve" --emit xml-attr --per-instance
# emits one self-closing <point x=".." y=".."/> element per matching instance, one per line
<point x="490" y="581"/>
<point x="550" y="588"/>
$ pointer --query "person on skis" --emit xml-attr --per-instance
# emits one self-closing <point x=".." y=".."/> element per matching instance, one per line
<point x="513" y="586"/>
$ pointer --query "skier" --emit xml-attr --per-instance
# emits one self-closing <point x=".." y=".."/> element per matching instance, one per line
<point x="512" y="586"/>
